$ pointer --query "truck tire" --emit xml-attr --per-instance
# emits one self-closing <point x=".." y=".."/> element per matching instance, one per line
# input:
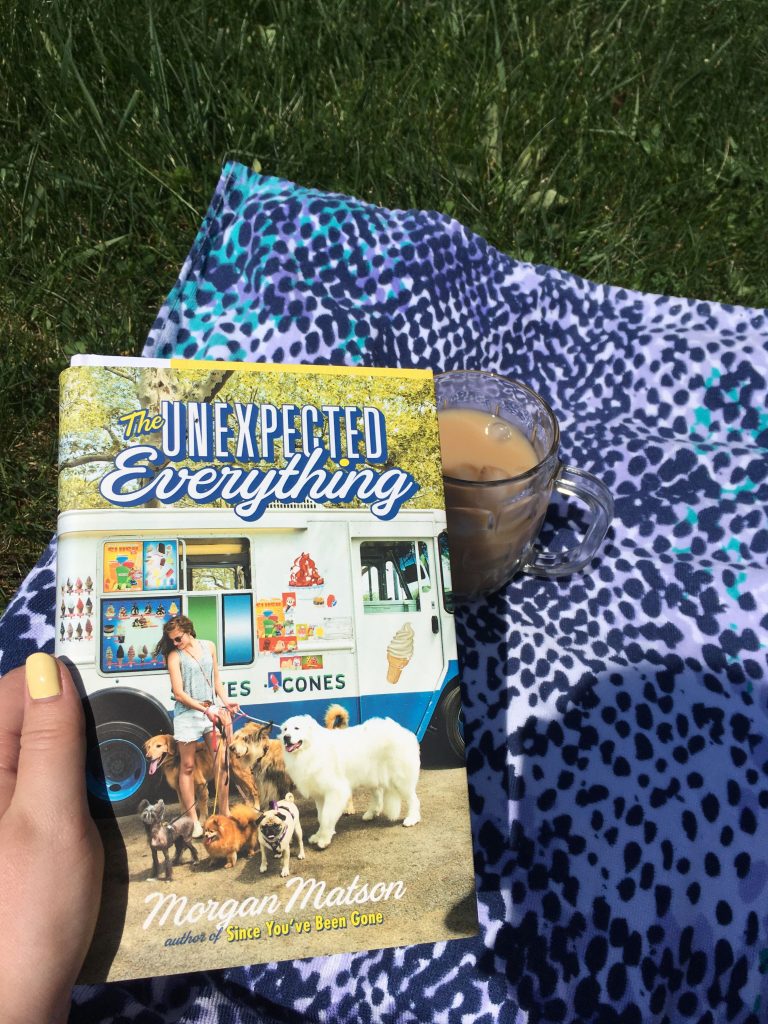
<point x="449" y="728"/>
<point x="116" y="769"/>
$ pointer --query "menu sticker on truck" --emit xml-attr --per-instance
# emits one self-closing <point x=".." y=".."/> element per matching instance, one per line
<point x="123" y="565"/>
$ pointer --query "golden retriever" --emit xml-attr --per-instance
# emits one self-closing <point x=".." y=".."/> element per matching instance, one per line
<point x="161" y="752"/>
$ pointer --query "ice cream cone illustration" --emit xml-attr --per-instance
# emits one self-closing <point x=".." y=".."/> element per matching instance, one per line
<point x="108" y="657"/>
<point x="143" y="653"/>
<point x="79" y="632"/>
<point x="78" y="585"/>
<point x="131" y="654"/>
<point x="399" y="652"/>
<point x="61" y="631"/>
<point x="70" y="631"/>
<point x="395" y="667"/>
<point x="88" y="629"/>
<point x="89" y="607"/>
<point x="120" y="656"/>
<point x="80" y="606"/>
<point x="174" y="609"/>
<point x="63" y="609"/>
<point x="88" y="584"/>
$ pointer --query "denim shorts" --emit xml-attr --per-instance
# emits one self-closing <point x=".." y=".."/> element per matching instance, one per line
<point x="190" y="725"/>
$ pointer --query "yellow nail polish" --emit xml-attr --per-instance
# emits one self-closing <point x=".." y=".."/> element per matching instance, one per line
<point x="43" y="679"/>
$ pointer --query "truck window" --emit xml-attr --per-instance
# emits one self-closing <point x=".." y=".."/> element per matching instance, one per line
<point x="215" y="578"/>
<point x="390" y="576"/>
<point x="214" y="567"/>
<point x="213" y="563"/>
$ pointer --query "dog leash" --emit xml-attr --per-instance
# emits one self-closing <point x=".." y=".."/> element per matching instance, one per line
<point x="170" y="826"/>
<point x="218" y="747"/>
<point x="258" y="721"/>
<point x="219" y="730"/>
<point x="178" y="817"/>
<point x="186" y="810"/>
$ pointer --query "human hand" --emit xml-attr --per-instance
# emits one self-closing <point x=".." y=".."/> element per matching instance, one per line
<point x="51" y="857"/>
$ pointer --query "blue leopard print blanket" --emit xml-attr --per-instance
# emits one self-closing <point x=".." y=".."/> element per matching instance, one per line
<point x="616" y="721"/>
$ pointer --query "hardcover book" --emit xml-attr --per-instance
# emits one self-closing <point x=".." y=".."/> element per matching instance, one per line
<point x="253" y="585"/>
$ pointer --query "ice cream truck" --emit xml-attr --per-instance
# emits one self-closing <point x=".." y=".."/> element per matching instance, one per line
<point x="309" y="606"/>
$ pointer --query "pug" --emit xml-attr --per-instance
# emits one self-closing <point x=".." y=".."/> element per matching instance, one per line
<point x="277" y="827"/>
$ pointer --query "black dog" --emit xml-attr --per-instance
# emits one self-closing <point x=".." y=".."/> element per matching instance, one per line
<point x="161" y="835"/>
<point x="166" y="834"/>
<point x="151" y="815"/>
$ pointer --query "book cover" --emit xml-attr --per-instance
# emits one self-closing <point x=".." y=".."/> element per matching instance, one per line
<point x="253" y="584"/>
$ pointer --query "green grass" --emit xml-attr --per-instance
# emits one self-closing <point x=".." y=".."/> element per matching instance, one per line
<point x="623" y="141"/>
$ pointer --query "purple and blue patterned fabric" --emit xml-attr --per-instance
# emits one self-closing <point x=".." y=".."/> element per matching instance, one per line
<point x="616" y="720"/>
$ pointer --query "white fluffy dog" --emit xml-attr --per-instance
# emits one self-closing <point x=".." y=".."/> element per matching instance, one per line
<point x="328" y="764"/>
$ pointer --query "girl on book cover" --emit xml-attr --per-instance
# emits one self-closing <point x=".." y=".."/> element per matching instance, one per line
<point x="201" y="707"/>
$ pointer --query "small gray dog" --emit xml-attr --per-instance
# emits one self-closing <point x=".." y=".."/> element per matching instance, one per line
<point x="162" y="835"/>
<point x="166" y="834"/>
<point x="277" y="827"/>
<point x="152" y="814"/>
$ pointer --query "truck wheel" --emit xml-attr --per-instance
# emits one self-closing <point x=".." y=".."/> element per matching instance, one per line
<point x="450" y="727"/>
<point x="116" y="768"/>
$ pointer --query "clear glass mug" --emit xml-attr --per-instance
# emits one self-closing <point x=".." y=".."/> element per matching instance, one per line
<point x="493" y="525"/>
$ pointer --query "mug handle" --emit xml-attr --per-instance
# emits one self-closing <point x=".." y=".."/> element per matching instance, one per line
<point x="578" y="484"/>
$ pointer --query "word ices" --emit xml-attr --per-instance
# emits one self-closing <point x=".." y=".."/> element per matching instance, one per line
<point x="309" y="437"/>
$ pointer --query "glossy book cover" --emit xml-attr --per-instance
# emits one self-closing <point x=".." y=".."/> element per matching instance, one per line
<point x="284" y="526"/>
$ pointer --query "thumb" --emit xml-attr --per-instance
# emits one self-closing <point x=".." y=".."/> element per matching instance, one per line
<point x="51" y="771"/>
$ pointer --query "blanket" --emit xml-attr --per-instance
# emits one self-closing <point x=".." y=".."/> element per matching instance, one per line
<point x="616" y="719"/>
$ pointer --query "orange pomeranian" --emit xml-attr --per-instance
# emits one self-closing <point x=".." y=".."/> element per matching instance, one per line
<point x="224" y="836"/>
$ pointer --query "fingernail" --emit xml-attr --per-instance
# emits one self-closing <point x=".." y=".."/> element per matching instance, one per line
<point x="43" y="679"/>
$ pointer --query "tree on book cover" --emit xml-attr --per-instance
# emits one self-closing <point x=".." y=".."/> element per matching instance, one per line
<point x="277" y="437"/>
<point x="268" y="646"/>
